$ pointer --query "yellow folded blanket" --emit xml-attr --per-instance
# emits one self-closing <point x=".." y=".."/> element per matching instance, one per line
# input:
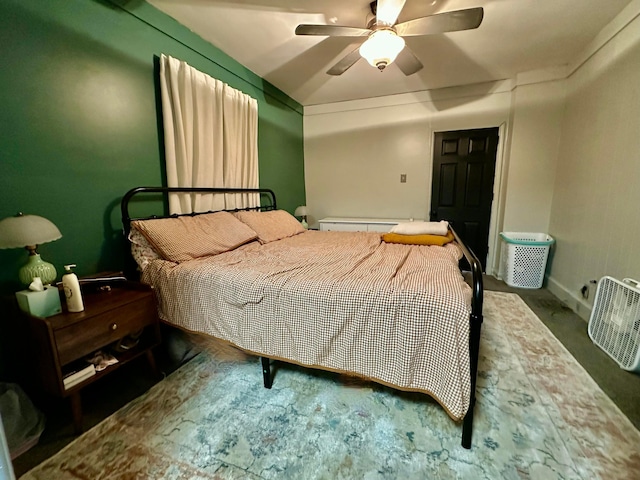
<point x="418" y="239"/>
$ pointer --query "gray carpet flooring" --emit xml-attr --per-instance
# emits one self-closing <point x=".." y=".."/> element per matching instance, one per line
<point x="103" y="398"/>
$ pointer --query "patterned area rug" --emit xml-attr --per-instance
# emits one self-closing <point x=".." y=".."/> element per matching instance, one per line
<point x="539" y="415"/>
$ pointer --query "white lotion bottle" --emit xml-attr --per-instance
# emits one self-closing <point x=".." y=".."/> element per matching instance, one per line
<point x="72" y="291"/>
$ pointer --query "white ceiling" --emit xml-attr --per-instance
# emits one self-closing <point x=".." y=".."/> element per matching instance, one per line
<point x="515" y="36"/>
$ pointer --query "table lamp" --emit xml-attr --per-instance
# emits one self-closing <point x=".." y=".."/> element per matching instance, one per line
<point x="29" y="231"/>
<point x="302" y="211"/>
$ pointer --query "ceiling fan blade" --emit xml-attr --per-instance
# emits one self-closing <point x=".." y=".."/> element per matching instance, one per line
<point x="332" y="31"/>
<point x="456" y="20"/>
<point x="346" y="63"/>
<point x="387" y="11"/>
<point x="408" y="62"/>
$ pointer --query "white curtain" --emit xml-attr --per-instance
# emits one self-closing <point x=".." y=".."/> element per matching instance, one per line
<point x="211" y="138"/>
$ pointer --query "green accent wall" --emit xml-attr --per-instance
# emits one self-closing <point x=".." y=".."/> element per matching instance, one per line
<point x="79" y="123"/>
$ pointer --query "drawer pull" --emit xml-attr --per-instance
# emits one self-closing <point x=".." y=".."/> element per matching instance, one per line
<point x="113" y="326"/>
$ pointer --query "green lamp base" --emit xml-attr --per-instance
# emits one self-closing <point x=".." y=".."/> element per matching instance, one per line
<point x="36" y="267"/>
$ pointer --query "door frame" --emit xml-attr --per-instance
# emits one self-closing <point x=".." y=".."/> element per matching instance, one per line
<point x="492" y="266"/>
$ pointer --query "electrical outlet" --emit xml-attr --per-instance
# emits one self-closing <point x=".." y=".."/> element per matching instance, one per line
<point x="403" y="178"/>
<point x="585" y="291"/>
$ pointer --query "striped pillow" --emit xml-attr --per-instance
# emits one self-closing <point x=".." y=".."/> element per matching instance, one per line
<point x="272" y="225"/>
<point x="184" y="238"/>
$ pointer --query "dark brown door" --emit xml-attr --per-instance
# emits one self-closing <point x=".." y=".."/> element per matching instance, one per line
<point x="464" y="164"/>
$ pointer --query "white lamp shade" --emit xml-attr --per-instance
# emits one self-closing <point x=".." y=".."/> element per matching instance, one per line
<point x="24" y="230"/>
<point x="301" y="211"/>
<point x="381" y="48"/>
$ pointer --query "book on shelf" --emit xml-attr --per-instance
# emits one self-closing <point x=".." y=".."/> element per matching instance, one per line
<point x="73" y="378"/>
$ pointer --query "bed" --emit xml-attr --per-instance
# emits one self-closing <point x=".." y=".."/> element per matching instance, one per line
<point x="349" y="302"/>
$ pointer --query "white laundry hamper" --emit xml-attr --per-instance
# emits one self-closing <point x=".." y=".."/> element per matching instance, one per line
<point x="614" y="325"/>
<point x="524" y="258"/>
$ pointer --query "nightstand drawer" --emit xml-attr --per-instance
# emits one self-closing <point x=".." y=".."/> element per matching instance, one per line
<point x="87" y="336"/>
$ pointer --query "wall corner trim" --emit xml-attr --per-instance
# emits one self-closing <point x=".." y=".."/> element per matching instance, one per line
<point x="613" y="28"/>
<point x="422" y="96"/>
<point x="149" y="15"/>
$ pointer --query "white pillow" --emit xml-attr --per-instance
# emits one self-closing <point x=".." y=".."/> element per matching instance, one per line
<point x="421" y="228"/>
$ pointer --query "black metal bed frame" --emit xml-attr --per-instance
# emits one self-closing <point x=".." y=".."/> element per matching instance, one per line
<point x="475" y="317"/>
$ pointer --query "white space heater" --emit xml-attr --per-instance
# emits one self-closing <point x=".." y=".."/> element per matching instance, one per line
<point x="614" y="325"/>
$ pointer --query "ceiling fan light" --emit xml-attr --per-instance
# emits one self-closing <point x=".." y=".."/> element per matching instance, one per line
<point x="381" y="48"/>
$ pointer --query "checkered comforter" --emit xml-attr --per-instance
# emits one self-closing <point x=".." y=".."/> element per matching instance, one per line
<point x="340" y="301"/>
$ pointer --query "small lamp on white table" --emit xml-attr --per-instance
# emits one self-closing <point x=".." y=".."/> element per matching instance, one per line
<point x="302" y="211"/>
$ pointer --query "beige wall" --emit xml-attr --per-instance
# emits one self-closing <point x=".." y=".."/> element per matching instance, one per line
<point x="536" y="131"/>
<point x="356" y="151"/>
<point x="569" y="157"/>
<point x="595" y="215"/>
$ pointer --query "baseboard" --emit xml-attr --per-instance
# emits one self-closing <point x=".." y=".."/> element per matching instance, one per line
<point x="573" y="301"/>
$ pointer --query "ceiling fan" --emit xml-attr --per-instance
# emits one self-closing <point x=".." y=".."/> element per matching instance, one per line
<point x="383" y="42"/>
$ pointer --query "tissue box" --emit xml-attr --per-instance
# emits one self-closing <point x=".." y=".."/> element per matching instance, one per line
<point x="40" y="304"/>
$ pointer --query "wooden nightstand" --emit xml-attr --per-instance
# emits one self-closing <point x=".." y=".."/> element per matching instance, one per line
<point x="60" y="342"/>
